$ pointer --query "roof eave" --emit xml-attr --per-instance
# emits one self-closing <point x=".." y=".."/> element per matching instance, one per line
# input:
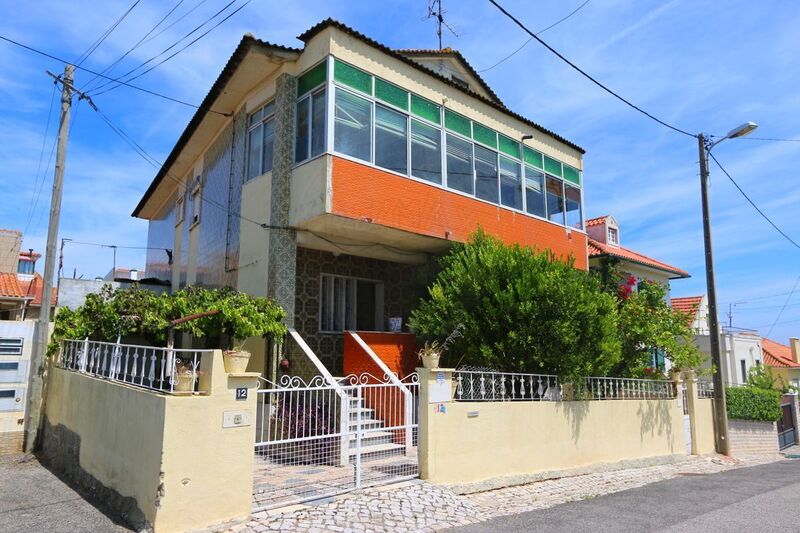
<point x="676" y="274"/>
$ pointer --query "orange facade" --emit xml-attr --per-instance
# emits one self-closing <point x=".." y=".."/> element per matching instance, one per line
<point x="362" y="192"/>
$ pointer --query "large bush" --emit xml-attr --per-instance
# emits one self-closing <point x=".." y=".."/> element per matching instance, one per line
<point x="519" y="310"/>
<point x="751" y="403"/>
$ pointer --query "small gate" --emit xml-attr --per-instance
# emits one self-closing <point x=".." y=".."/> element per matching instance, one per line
<point x="786" y="426"/>
<point x="687" y="422"/>
<point x="321" y="438"/>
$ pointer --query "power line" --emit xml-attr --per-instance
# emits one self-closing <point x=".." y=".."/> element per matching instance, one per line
<point x="135" y="46"/>
<point x="588" y="76"/>
<point x="553" y="25"/>
<point x="105" y="87"/>
<point x="142" y="89"/>
<point x="797" y="281"/>
<point x="752" y="203"/>
<point x="118" y="246"/>
<point x="34" y="194"/>
<point x="89" y="51"/>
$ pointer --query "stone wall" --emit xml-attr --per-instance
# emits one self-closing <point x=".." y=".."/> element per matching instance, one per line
<point x="11" y="442"/>
<point x="749" y="436"/>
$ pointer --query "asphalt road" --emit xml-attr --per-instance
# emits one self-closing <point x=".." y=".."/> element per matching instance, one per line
<point x="33" y="499"/>
<point x="760" y="498"/>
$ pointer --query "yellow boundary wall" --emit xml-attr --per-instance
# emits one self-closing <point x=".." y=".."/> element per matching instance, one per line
<point x="161" y="461"/>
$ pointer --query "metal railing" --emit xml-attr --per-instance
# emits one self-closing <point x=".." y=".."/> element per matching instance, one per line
<point x="705" y="389"/>
<point x="488" y="386"/>
<point x="480" y="386"/>
<point x="167" y="370"/>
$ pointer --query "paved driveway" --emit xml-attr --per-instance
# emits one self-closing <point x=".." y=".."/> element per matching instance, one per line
<point x="33" y="499"/>
<point x="758" y="498"/>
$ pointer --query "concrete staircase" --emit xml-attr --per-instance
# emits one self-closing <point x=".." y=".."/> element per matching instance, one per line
<point x="376" y="443"/>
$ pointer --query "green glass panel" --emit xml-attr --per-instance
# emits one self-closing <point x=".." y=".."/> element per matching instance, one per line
<point x="312" y="78"/>
<point x="532" y="157"/>
<point x="425" y="109"/>
<point x="572" y="174"/>
<point x="352" y="77"/>
<point x="484" y="135"/>
<point x="509" y="146"/>
<point x="457" y="123"/>
<point x="391" y="94"/>
<point x="552" y="166"/>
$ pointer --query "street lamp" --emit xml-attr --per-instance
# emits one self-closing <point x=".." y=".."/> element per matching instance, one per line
<point x="720" y="414"/>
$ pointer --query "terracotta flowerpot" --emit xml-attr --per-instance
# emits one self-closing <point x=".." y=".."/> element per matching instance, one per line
<point x="235" y="362"/>
<point x="184" y="383"/>
<point x="430" y="361"/>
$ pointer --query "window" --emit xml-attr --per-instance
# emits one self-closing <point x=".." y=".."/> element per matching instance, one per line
<point x="25" y="267"/>
<point x="613" y="236"/>
<point x="180" y="209"/>
<point x="534" y="192"/>
<point x="572" y="197"/>
<point x="391" y="140"/>
<point x="13" y="371"/>
<point x="352" y="123"/>
<point x="510" y="183"/>
<point x="12" y="399"/>
<point x="195" y="200"/>
<point x="555" y="201"/>
<point x="426" y="152"/>
<point x="459" y="164"/>
<point x="309" y="138"/>
<point x="743" y="367"/>
<point x="10" y="346"/>
<point x="350" y="304"/>
<point x="485" y="174"/>
<point x="260" y="141"/>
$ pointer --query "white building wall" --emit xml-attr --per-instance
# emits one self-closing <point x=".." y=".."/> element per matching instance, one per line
<point x="740" y="352"/>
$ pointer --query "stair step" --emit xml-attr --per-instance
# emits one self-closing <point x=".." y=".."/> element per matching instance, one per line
<point x="378" y="449"/>
<point x="360" y="411"/>
<point x="367" y="424"/>
<point x="372" y="438"/>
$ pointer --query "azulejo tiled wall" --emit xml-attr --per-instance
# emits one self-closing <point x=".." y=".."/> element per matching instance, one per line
<point x="403" y="286"/>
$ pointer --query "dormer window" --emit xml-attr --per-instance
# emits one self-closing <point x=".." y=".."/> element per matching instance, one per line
<point x="613" y="236"/>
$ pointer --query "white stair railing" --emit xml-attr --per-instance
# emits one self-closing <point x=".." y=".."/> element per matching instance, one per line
<point x="408" y="398"/>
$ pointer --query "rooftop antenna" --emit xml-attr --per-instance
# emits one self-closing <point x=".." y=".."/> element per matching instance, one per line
<point x="436" y="11"/>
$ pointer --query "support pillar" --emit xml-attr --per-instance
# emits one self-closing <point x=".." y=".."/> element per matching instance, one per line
<point x="690" y="380"/>
<point x="433" y="403"/>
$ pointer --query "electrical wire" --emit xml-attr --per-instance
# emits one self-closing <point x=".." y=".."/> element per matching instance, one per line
<point x="752" y="203"/>
<point x="134" y="47"/>
<point x="588" y="76"/>
<point x="780" y="313"/>
<point x="118" y="246"/>
<point x="551" y="26"/>
<point x="89" y="51"/>
<point x="90" y="71"/>
<point x="34" y="193"/>
<point x="103" y="90"/>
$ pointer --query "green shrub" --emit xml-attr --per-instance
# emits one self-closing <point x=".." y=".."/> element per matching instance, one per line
<point x="750" y="403"/>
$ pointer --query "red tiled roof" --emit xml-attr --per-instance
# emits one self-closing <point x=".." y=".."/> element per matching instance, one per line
<point x="687" y="305"/>
<point x="35" y="287"/>
<point x="597" y="221"/>
<point x="597" y="249"/>
<point x="777" y="354"/>
<point x="9" y="286"/>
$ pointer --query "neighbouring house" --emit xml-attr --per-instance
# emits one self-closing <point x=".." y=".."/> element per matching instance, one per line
<point x="329" y="177"/>
<point x="123" y="274"/>
<point x="20" y="285"/>
<point x="783" y="360"/>
<point x="740" y="350"/>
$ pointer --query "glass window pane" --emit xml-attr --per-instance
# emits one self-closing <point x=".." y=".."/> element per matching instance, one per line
<point x="255" y="118"/>
<point x="425" y="108"/>
<point x="484" y="135"/>
<point x="317" y="123"/>
<point x="485" y="174"/>
<point x="509" y="146"/>
<point x="426" y="152"/>
<point x="534" y="192"/>
<point x="301" y="133"/>
<point x="510" y="183"/>
<point x="269" y="139"/>
<point x="355" y="78"/>
<point x="254" y="152"/>
<point x="391" y="140"/>
<point x="458" y="123"/>
<point x="312" y="78"/>
<point x="555" y="201"/>
<point x="459" y="164"/>
<point x="572" y="174"/>
<point x="391" y="94"/>
<point x="573" y="203"/>
<point x="353" y="117"/>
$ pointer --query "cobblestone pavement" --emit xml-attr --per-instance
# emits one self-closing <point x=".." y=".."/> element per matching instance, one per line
<point x="419" y="506"/>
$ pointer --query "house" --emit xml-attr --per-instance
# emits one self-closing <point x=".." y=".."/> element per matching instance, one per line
<point x="20" y="285"/>
<point x="123" y="274"/>
<point x="740" y="350"/>
<point x="784" y="361"/>
<point x="330" y="176"/>
<point x="605" y="247"/>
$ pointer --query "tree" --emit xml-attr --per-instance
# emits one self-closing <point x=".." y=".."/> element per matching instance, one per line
<point x="519" y="310"/>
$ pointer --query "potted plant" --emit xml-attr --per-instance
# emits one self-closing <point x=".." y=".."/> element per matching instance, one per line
<point x="236" y="359"/>
<point x="430" y="354"/>
<point x="185" y="376"/>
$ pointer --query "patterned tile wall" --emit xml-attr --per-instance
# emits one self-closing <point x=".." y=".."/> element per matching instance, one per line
<point x="403" y="286"/>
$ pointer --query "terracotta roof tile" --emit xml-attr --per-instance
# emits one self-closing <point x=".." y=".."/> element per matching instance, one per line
<point x="597" y="248"/>
<point x="9" y="286"/>
<point x="686" y="304"/>
<point x="777" y="354"/>
<point x="35" y="287"/>
<point x="597" y="221"/>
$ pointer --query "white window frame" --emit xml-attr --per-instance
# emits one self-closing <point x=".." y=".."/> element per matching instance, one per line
<point x="195" y="201"/>
<point x="615" y="233"/>
<point x="17" y="375"/>
<point x="180" y="209"/>
<point x="379" y="301"/>
<point x="14" y="403"/>
<point x="11" y="346"/>
<point x="260" y="124"/>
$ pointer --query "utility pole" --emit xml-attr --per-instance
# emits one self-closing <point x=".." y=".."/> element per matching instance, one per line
<point x="38" y="371"/>
<point x="720" y="412"/>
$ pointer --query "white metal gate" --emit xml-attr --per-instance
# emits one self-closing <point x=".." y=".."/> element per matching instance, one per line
<point x="687" y="422"/>
<point x="325" y="437"/>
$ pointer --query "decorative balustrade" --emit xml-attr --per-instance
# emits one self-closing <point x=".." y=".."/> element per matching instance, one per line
<point x="478" y="386"/>
<point x="172" y="371"/>
<point x="705" y="389"/>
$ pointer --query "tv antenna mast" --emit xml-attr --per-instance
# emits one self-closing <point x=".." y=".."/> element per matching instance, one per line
<point x="436" y="11"/>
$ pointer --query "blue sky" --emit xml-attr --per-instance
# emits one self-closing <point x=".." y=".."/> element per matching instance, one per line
<point x="704" y="66"/>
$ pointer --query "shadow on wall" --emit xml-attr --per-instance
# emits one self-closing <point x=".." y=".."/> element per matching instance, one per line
<point x="655" y="417"/>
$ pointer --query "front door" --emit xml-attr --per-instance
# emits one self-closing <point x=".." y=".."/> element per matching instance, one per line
<point x="786" y="426"/>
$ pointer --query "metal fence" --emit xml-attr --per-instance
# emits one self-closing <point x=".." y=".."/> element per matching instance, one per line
<point x="171" y="371"/>
<point x="477" y="386"/>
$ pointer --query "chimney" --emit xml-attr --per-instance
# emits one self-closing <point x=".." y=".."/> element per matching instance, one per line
<point x="794" y="342"/>
<point x="134" y="274"/>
